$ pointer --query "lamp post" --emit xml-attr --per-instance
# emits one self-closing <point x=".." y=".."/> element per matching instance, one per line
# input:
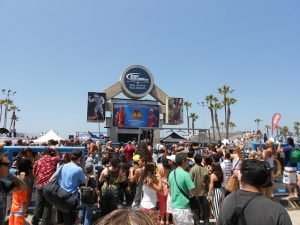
<point x="8" y="93"/>
<point x="203" y="105"/>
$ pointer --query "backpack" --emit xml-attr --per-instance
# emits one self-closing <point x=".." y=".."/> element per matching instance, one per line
<point x="295" y="155"/>
<point x="111" y="181"/>
<point x="238" y="217"/>
<point x="88" y="194"/>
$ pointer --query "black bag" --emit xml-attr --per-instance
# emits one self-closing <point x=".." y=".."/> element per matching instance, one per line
<point x="88" y="194"/>
<point x="193" y="201"/>
<point x="63" y="200"/>
<point x="238" y="217"/>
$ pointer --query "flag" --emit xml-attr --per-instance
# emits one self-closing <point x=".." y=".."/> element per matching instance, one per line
<point x="275" y="121"/>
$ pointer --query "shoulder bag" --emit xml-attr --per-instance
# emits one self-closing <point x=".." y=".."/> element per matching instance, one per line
<point x="232" y="184"/>
<point x="193" y="201"/>
<point x="63" y="200"/>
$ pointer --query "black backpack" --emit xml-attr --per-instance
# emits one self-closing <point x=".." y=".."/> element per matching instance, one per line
<point x="88" y="194"/>
<point x="238" y="217"/>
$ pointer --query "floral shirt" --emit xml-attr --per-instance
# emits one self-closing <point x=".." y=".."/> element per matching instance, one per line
<point x="44" y="169"/>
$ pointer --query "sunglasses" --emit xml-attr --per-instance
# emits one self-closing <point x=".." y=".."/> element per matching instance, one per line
<point x="7" y="164"/>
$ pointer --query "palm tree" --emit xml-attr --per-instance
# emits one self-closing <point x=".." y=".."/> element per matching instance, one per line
<point x="217" y="106"/>
<point x="268" y="128"/>
<point x="225" y="90"/>
<point x="209" y="100"/>
<point x="222" y="125"/>
<point x="2" y="102"/>
<point x="14" y="117"/>
<point x="194" y="117"/>
<point x="284" y="131"/>
<point x="187" y="106"/>
<point x="296" y="127"/>
<point x="8" y="104"/>
<point x="257" y="121"/>
<point x="232" y="125"/>
<point x="229" y="102"/>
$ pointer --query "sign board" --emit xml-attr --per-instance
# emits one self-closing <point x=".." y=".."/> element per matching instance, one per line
<point x="137" y="81"/>
<point x="96" y="107"/>
<point x="174" y="111"/>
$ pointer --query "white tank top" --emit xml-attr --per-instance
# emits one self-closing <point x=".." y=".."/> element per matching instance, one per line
<point x="149" y="198"/>
<point x="270" y="160"/>
<point x="236" y="164"/>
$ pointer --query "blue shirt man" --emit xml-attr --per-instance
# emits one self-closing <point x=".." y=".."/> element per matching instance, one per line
<point x="290" y="169"/>
<point x="71" y="176"/>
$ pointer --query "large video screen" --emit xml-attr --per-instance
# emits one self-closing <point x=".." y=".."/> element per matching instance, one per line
<point x="132" y="115"/>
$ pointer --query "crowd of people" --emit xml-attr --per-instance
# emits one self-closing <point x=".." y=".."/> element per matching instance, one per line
<point x="179" y="184"/>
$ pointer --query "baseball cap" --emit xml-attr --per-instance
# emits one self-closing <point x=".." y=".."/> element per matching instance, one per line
<point x="89" y="167"/>
<point x="136" y="158"/>
<point x="77" y="153"/>
<point x="172" y="158"/>
<point x="181" y="149"/>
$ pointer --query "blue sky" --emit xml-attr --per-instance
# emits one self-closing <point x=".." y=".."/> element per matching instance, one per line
<point x="53" y="52"/>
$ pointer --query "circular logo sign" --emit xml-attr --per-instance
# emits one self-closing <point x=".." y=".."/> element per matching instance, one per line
<point x="137" y="82"/>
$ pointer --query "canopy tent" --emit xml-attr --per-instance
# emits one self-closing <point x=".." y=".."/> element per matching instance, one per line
<point x="51" y="135"/>
<point x="174" y="138"/>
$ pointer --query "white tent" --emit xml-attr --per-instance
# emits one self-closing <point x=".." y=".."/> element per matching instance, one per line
<point x="51" y="135"/>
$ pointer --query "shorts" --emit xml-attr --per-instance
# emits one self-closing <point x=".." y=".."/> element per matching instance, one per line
<point x="169" y="204"/>
<point x="183" y="216"/>
<point x="290" y="175"/>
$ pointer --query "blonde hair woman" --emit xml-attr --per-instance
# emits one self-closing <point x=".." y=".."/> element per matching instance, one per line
<point x="151" y="186"/>
<point x="269" y="156"/>
<point x="125" y="217"/>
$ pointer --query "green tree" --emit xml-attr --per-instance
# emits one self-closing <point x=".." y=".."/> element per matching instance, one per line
<point x="14" y="117"/>
<point x="217" y="106"/>
<point x="268" y="127"/>
<point x="187" y="106"/>
<point x="229" y="102"/>
<point x="2" y="102"/>
<point x="297" y="128"/>
<point x="8" y="103"/>
<point x="232" y="125"/>
<point x="224" y="91"/>
<point x="194" y="117"/>
<point x="222" y="125"/>
<point x="284" y="131"/>
<point x="257" y="121"/>
<point x="209" y="100"/>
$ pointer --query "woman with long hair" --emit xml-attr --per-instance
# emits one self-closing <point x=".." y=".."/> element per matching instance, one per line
<point x="125" y="217"/>
<point x="151" y="186"/>
<point x="164" y="171"/>
<point x="215" y="193"/>
<point x="110" y="188"/>
<point x="268" y="156"/>
<point x="237" y="160"/>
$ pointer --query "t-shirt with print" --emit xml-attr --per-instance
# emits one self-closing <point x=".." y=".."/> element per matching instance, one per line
<point x="184" y="181"/>
<point x="226" y="167"/>
<point x="200" y="177"/>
